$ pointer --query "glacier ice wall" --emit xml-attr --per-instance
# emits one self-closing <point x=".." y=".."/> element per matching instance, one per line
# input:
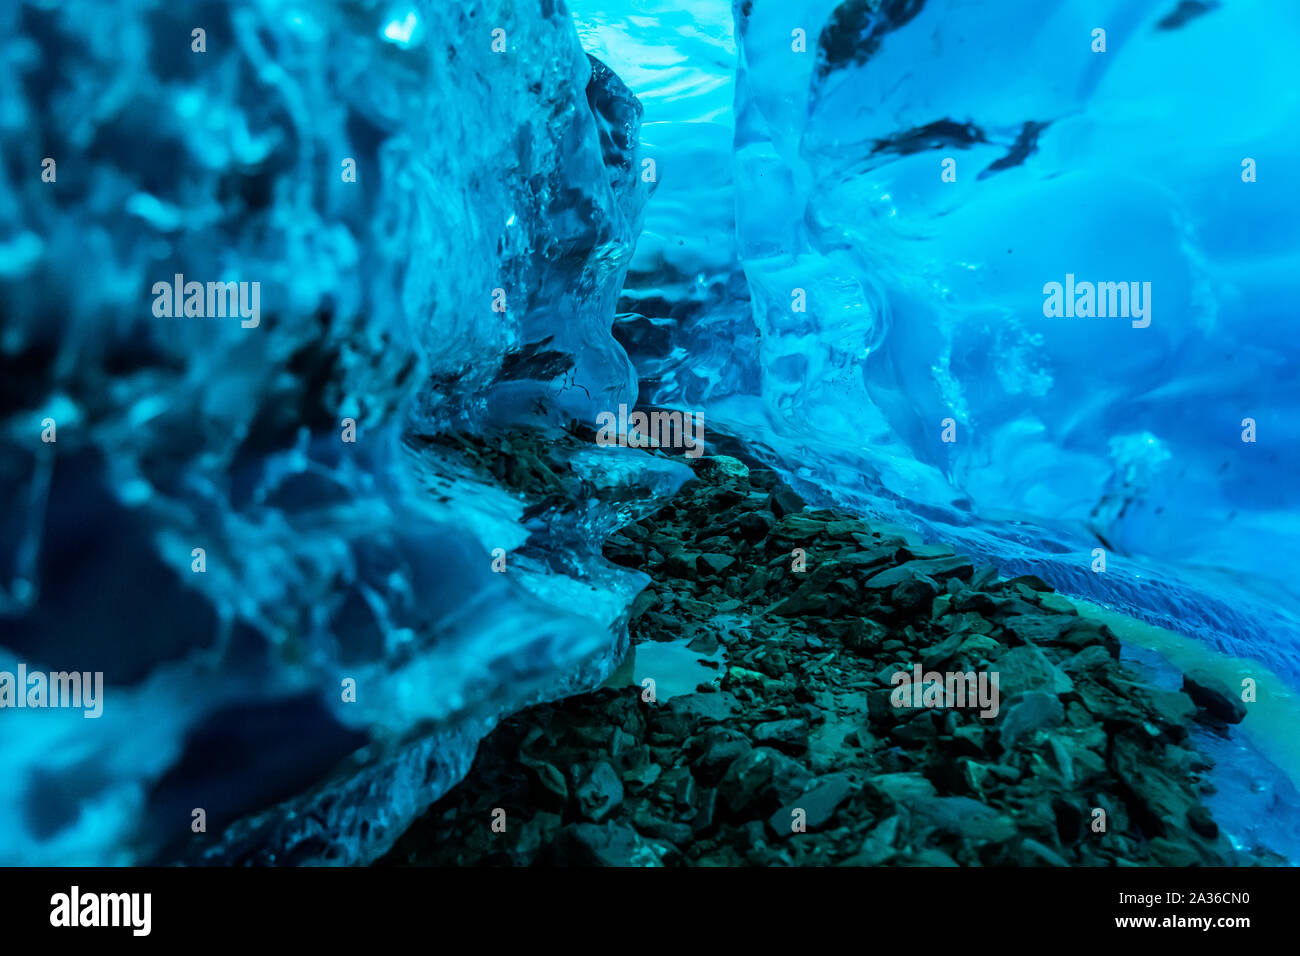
<point x="465" y="279"/>
<point x="238" y="514"/>
<point x="882" y="299"/>
<point x="685" y="313"/>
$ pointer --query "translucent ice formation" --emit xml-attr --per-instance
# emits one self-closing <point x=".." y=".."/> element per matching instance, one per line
<point x="251" y="253"/>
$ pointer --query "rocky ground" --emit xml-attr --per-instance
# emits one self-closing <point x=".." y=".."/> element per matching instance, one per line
<point x="792" y="751"/>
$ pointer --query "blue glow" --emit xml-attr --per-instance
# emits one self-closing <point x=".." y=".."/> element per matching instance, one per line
<point x="844" y="227"/>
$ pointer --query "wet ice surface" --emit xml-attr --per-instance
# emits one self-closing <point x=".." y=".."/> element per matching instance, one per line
<point x="1254" y="801"/>
<point x="775" y="170"/>
<point x="325" y="560"/>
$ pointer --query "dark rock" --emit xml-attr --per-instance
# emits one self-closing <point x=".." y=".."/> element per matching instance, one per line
<point x="967" y="741"/>
<point x="599" y="792"/>
<point x="706" y="811"/>
<point x="685" y="795"/>
<point x="754" y="526"/>
<point x="1089" y="661"/>
<point x="1035" y="710"/>
<point x="845" y="529"/>
<point x="915" y="733"/>
<point x="682" y="713"/>
<point x="979" y="647"/>
<point x="880" y="844"/>
<point x="1174" y="709"/>
<point x="609" y="844"/>
<point x="880" y="709"/>
<point x="719" y="749"/>
<point x="789" y="736"/>
<point x="914" y="594"/>
<point x="641" y="775"/>
<point x="929" y="857"/>
<point x="789" y="779"/>
<point x="1031" y="581"/>
<point x="799" y="528"/>
<point x="784" y="500"/>
<point x="1086" y="634"/>
<point x="962" y="817"/>
<point x="1004" y="607"/>
<point x="1103" y="703"/>
<point x="1173" y="853"/>
<point x="681" y="564"/>
<point x="1056" y="604"/>
<point x="896" y="760"/>
<point x="942" y="652"/>
<point x="1033" y="853"/>
<point x="1076" y="729"/>
<point x="1211" y="693"/>
<point x="939" y="569"/>
<point x="811" y="600"/>
<point x="727" y="497"/>
<point x="819" y="805"/>
<point x="1200" y="821"/>
<point x="773" y="663"/>
<point x="870" y="558"/>
<point x="645" y="601"/>
<point x="1160" y="796"/>
<point x="706" y="643"/>
<point x="550" y="783"/>
<point x="901" y="787"/>
<point x="1037" y="628"/>
<point x="973" y="601"/>
<point x="649" y="824"/>
<point x="761" y="779"/>
<point x="927" y="552"/>
<point x="713" y="563"/>
<point x="1027" y="668"/>
<point x="622" y="745"/>
<point x="862" y="635"/>
<point x="533" y="835"/>
<point x="759" y="855"/>
<point x="668" y="725"/>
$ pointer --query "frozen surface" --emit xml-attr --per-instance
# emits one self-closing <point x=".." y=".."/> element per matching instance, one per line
<point x="797" y="268"/>
<point x="466" y="273"/>
<point x="879" y="301"/>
